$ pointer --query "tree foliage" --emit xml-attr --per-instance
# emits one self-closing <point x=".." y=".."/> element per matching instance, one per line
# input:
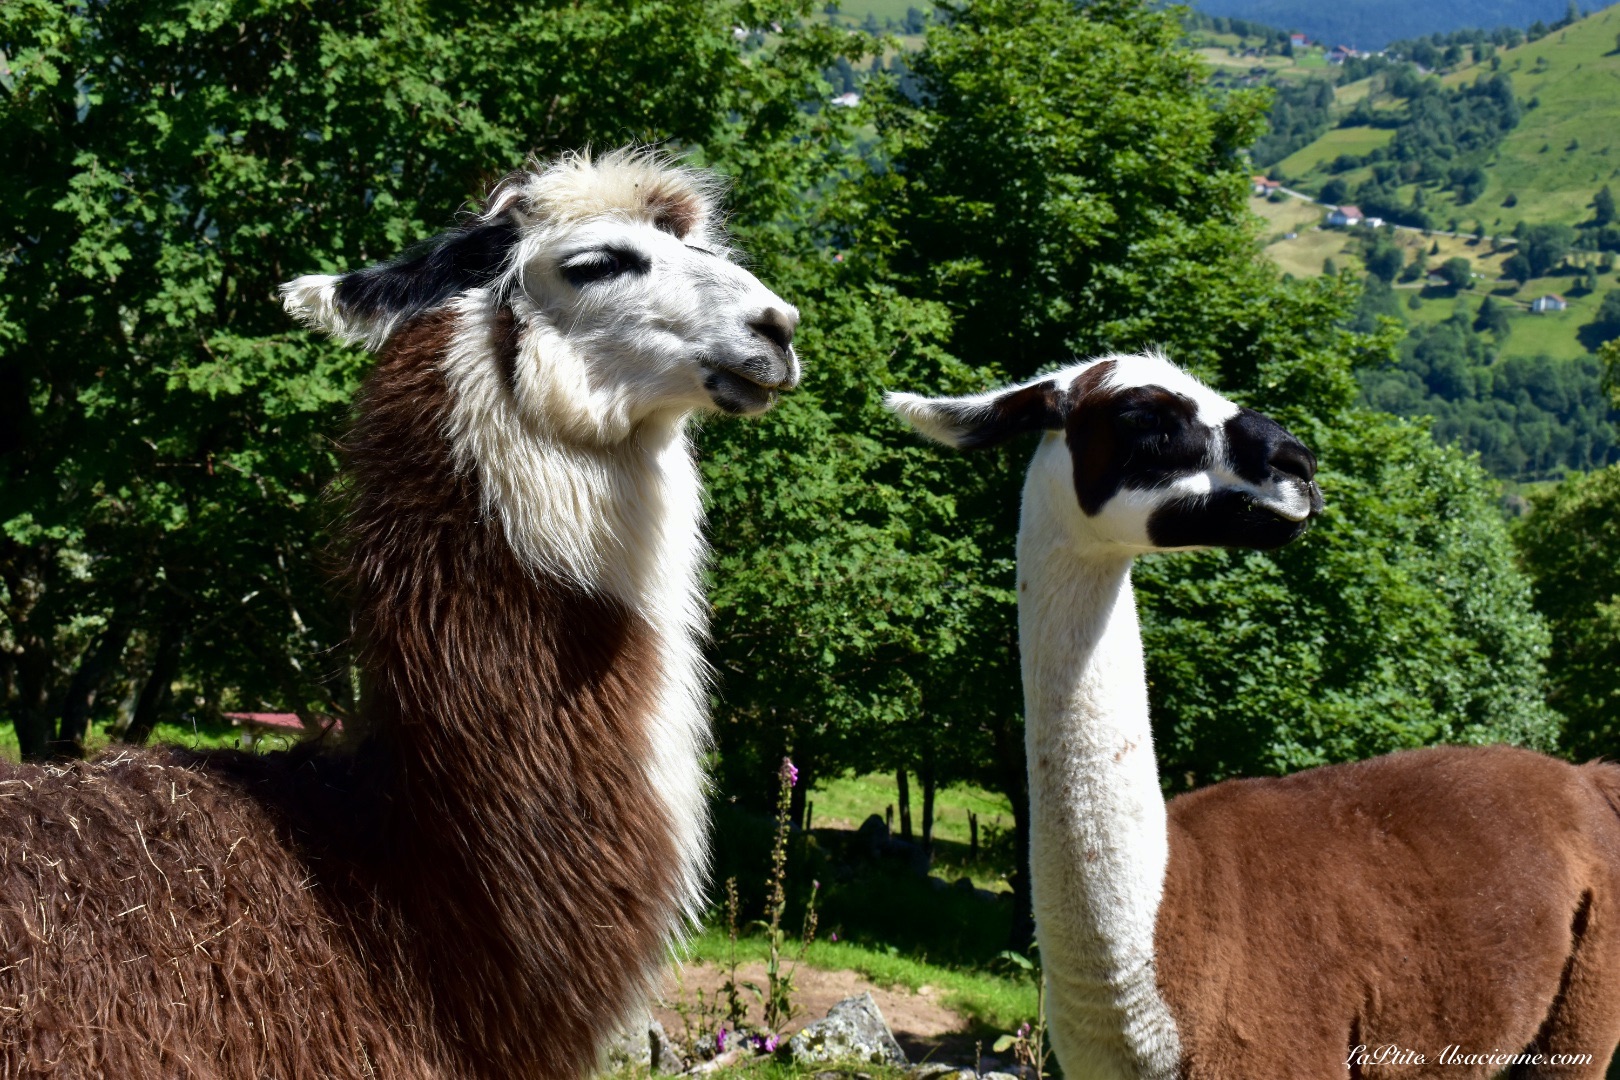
<point x="1528" y="417"/>
<point x="1570" y="544"/>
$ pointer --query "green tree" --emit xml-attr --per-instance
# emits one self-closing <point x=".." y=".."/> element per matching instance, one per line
<point x="1603" y="206"/>
<point x="1544" y="246"/>
<point x="1570" y="545"/>
<point x="1383" y="259"/>
<point x="1605" y="324"/>
<point x="1457" y="272"/>
<point x="1068" y="185"/>
<point x="1493" y="318"/>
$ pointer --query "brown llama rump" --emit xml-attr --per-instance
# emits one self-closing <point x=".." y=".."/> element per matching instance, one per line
<point x="1425" y="897"/>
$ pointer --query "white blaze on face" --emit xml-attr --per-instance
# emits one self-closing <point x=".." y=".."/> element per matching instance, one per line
<point x="623" y="321"/>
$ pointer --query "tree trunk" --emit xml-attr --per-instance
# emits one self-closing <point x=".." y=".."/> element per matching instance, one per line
<point x="31" y="713"/>
<point x="73" y="729"/>
<point x="973" y="837"/>
<point x="1012" y="773"/>
<point x="926" y="775"/>
<point x="904" y="800"/>
<point x="155" y="694"/>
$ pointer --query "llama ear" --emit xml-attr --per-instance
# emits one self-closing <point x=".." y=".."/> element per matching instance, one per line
<point x="364" y="306"/>
<point x="969" y="423"/>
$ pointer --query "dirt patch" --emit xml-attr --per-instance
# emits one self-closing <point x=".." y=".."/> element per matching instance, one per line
<point x="923" y="1025"/>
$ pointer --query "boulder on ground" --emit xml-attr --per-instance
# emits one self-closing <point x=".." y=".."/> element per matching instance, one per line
<point x="642" y="1041"/>
<point x="854" y="1031"/>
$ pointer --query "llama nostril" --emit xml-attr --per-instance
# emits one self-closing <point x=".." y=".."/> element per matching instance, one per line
<point x="1295" y="460"/>
<point x="775" y="326"/>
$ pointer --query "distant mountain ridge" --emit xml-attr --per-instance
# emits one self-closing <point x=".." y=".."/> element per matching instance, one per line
<point x="1372" y="24"/>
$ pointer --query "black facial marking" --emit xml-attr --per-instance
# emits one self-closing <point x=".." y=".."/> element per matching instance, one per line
<point x="1137" y="437"/>
<point x="429" y="274"/>
<point x="1223" y="519"/>
<point x="1033" y="408"/>
<point x="603" y="264"/>
<point x="1257" y="444"/>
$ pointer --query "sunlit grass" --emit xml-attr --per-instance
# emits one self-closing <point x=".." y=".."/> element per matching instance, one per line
<point x="847" y="801"/>
<point x="994" y="1001"/>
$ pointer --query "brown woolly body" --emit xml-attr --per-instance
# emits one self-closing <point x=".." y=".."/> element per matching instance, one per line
<point x="467" y="892"/>
<point x="1450" y="896"/>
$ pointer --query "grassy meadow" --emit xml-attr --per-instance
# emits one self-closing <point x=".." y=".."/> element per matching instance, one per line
<point x="1568" y="144"/>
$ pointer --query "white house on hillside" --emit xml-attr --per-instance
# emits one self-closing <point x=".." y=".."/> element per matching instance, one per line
<point x="1550" y="302"/>
<point x="1346" y="216"/>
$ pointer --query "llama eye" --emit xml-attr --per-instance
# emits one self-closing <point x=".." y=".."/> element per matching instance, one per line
<point x="1139" y="421"/>
<point x="581" y="270"/>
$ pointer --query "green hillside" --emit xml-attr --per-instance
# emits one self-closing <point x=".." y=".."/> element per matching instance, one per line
<point x="1568" y="143"/>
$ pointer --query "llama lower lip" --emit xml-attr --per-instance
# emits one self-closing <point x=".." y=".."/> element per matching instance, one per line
<point x="736" y="393"/>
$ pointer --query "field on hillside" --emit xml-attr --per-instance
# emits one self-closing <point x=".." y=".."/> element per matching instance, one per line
<point x="1350" y="140"/>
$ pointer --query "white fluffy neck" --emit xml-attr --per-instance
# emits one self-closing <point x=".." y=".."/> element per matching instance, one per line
<point x="623" y="520"/>
<point x="1099" y="844"/>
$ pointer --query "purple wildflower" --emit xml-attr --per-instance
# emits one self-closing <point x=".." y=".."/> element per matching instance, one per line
<point x="789" y="772"/>
<point x="720" y="1041"/>
<point x="835" y="936"/>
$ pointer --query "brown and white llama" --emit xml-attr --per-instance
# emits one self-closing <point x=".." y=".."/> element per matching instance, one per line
<point x="1342" y="921"/>
<point x="485" y="881"/>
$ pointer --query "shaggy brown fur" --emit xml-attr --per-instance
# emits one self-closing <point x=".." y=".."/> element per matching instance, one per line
<point x="471" y="891"/>
<point x="1424" y="899"/>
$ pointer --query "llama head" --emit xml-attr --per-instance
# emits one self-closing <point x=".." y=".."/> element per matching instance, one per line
<point x="1149" y="458"/>
<point x="609" y="289"/>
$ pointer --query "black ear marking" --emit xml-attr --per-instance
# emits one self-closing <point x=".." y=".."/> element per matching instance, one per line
<point x="429" y="274"/>
<point x="1041" y="407"/>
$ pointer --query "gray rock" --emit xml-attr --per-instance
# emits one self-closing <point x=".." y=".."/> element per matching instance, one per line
<point x="854" y="1031"/>
<point x="873" y="831"/>
<point x="642" y="1041"/>
<point x="665" y="1058"/>
<point x="935" y="1070"/>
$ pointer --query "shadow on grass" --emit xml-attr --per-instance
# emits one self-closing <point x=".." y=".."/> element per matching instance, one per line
<point x="882" y="903"/>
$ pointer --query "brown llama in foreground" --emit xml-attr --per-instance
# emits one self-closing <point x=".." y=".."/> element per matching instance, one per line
<point x="486" y="877"/>
<point x="1433" y="913"/>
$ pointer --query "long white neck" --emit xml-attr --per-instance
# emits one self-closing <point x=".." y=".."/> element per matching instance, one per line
<point x="1098" y="841"/>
